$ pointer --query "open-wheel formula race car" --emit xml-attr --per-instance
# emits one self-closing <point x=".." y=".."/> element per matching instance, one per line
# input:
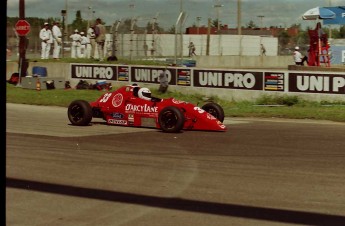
<point x="134" y="106"/>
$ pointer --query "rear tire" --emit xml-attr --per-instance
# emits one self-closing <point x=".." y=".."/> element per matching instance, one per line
<point x="171" y="119"/>
<point x="214" y="109"/>
<point x="80" y="113"/>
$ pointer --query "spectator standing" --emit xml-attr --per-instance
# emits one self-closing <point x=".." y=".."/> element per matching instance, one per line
<point x="56" y="39"/>
<point x="8" y="53"/>
<point x="262" y="50"/>
<point x="47" y="39"/>
<point x="100" y="38"/>
<point x="92" y="46"/>
<point x="191" y="48"/>
<point x="163" y="81"/>
<point x="152" y="50"/>
<point x="146" y="47"/>
<point x="84" y="41"/>
<point x="76" y="43"/>
<point x="298" y="57"/>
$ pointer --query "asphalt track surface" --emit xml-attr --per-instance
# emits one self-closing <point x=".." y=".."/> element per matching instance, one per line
<point x="259" y="172"/>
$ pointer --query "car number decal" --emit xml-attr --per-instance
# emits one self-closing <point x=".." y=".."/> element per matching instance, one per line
<point x="105" y="97"/>
<point x="117" y="100"/>
<point x="199" y="110"/>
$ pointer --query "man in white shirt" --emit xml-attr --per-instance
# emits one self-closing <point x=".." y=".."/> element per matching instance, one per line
<point x="92" y="46"/>
<point x="298" y="57"/>
<point x="57" y="39"/>
<point x="47" y="39"/>
<point x="76" y="43"/>
<point x="83" y="47"/>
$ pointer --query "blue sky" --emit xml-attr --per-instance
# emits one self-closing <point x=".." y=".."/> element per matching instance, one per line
<point x="275" y="12"/>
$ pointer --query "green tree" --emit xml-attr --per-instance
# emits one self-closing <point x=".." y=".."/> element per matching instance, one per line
<point x="125" y="26"/>
<point x="215" y="22"/>
<point x="157" y="28"/>
<point x="172" y="30"/>
<point x="251" y="24"/>
<point x="301" y="39"/>
<point x="284" y="39"/>
<point x="79" y="23"/>
<point x="342" y="32"/>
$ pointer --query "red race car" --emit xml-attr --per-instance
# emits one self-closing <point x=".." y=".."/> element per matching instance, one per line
<point x="134" y="106"/>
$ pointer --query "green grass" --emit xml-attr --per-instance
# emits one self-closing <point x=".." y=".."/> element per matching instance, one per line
<point x="291" y="107"/>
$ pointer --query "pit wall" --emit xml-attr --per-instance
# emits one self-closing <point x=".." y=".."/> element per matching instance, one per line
<point x="226" y="83"/>
<point x="244" y="61"/>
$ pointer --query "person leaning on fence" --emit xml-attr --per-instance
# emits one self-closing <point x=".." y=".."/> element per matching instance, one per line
<point x="163" y="81"/>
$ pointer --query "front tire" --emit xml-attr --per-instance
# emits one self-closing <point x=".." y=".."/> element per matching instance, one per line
<point x="171" y="119"/>
<point x="80" y="113"/>
<point x="214" y="109"/>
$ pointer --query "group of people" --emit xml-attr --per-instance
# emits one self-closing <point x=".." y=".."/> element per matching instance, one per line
<point x="50" y="37"/>
<point x="83" y="45"/>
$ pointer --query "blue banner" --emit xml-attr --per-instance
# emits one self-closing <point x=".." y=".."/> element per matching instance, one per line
<point x="339" y="15"/>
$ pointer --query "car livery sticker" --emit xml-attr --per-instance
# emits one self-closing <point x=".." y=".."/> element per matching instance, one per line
<point x="177" y="101"/>
<point x="141" y="108"/>
<point x="117" y="100"/>
<point x="210" y="117"/>
<point x="130" y="119"/>
<point x="117" y="115"/>
<point x="117" y="122"/>
<point x="200" y="110"/>
<point x="221" y="125"/>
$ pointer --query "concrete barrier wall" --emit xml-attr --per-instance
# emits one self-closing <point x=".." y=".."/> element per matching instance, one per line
<point x="226" y="83"/>
<point x="279" y="62"/>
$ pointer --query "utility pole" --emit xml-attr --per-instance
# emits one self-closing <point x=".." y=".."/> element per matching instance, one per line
<point x="239" y="28"/>
<point x="66" y="19"/>
<point x="330" y="27"/>
<point x="261" y="17"/>
<point x="22" y="64"/>
<point x="198" y="24"/>
<point x="218" y="6"/>
<point x="208" y="37"/>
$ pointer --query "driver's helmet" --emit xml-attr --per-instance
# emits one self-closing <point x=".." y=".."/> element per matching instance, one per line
<point x="144" y="93"/>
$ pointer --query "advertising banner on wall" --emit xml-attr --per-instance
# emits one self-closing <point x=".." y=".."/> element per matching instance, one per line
<point x="274" y="81"/>
<point x="184" y="77"/>
<point x="151" y="74"/>
<point x="123" y="73"/>
<point x="319" y="83"/>
<point x="228" y="79"/>
<point x="94" y="71"/>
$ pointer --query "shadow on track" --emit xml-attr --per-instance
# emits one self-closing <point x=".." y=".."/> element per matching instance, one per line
<point x="259" y="213"/>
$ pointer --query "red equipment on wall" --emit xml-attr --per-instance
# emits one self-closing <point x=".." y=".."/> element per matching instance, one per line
<point x="319" y="47"/>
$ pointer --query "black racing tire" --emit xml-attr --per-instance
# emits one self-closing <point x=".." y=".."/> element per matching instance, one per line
<point x="171" y="119"/>
<point x="214" y="109"/>
<point x="80" y="113"/>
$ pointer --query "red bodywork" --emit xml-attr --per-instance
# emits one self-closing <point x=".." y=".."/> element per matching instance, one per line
<point x="122" y="107"/>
